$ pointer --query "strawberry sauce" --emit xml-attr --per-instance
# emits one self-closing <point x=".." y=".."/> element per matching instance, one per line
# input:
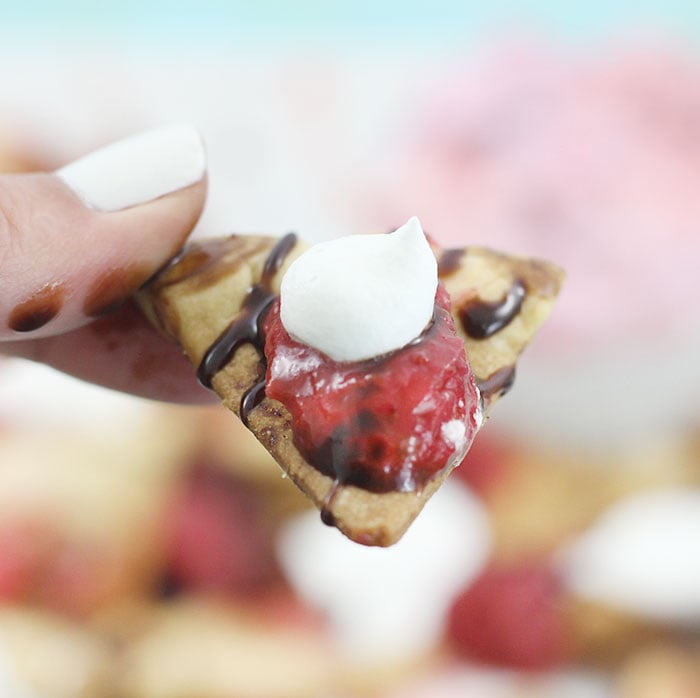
<point x="390" y="423"/>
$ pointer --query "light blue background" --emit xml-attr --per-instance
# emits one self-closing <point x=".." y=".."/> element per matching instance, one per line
<point x="248" y="20"/>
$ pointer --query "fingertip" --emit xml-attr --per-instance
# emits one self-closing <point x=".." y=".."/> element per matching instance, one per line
<point x="138" y="169"/>
<point x="121" y="352"/>
<point x="66" y="264"/>
<point x="150" y="235"/>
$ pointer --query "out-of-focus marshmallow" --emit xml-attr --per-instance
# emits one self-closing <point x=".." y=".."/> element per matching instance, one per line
<point x="643" y="556"/>
<point x="389" y="604"/>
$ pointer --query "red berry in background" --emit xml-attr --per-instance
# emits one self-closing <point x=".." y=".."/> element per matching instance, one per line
<point x="485" y="464"/>
<point x="217" y="539"/>
<point x="512" y="616"/>
<point x="77" y="579"/>
<point x="22" y="550"/>
<point x="41" y="565"/>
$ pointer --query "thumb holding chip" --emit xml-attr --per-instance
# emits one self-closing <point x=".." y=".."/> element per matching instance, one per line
<point x="76" y="243"/>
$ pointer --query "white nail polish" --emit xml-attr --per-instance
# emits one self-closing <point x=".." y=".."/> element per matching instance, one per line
<point x="138" y="169"/>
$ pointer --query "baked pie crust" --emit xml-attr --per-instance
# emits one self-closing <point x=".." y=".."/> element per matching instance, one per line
<point x="498" y="303"/>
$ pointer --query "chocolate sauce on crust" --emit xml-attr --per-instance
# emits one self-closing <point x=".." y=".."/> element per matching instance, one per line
<point x="204" y="263"/>
<point x="482" y="319"/>
<point x="247" y="327"/>
<point x="251" y="399"/>
<point x="450" y="261"/>
<point x="497" y="384"/>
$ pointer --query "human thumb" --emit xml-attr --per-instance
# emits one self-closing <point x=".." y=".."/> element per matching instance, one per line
<point x="76" y="243"/>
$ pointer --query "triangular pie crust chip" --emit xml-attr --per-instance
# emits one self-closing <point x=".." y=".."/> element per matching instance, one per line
<point x="498" y="299"/>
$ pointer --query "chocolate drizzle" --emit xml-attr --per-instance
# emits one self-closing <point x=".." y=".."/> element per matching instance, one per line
<point x="37" y="310"/>
<point x="497" y="384"/>
<point x="251" y="399"/>
<point x="111" y="289"/>
<point x="450" y="261"/>
<point x="482" y="319"/>
<point x="361" y="447"/>
<point x="327" y="515"/>
<point x="247" y="327"/>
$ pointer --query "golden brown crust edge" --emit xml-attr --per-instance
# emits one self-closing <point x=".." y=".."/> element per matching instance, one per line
<point x="195" y="298"/>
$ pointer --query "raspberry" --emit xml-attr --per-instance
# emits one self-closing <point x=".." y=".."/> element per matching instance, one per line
<point x="216" y="539"/>
<point x="378" y="424"/>
<point x="485" y="464"/>
<point x="511" y="615"/>
<point x="21" y="553"/>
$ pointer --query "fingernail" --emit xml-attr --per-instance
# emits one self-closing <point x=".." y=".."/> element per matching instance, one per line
<point x="138" y="169"/>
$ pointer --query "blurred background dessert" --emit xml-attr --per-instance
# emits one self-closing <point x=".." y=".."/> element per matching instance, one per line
<point x="155" y="551"/>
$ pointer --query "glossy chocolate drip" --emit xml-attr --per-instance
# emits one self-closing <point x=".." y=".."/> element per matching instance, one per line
<point x="37" y="310"/>
<point x="111" y="289"/>
<point x="247" y="327"/>
<point x="343" y="458"/>
<point x="449" y="261"/>
<point x="326" y="510"/>
<point x="482" y="319"/>
<point x="276" y="258"/>
<point x="251" y="399"/>
<point x="497" y="384"/>
<point x="205" y="262"/>
<point x="354" y="452"/>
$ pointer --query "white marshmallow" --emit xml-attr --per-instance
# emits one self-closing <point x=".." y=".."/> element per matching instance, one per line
<point x="361" y="296"/>
<point x="643" y="556"/>
<point x="390" y="604"/>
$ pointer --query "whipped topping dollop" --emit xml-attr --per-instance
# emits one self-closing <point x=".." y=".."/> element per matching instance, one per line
<point x="361" y="296"/>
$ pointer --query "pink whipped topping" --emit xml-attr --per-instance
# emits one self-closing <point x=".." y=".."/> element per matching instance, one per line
<point x="591" y="159"/>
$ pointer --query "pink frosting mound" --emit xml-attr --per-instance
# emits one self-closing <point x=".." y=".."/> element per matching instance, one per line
<point x="589" y="159"/>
